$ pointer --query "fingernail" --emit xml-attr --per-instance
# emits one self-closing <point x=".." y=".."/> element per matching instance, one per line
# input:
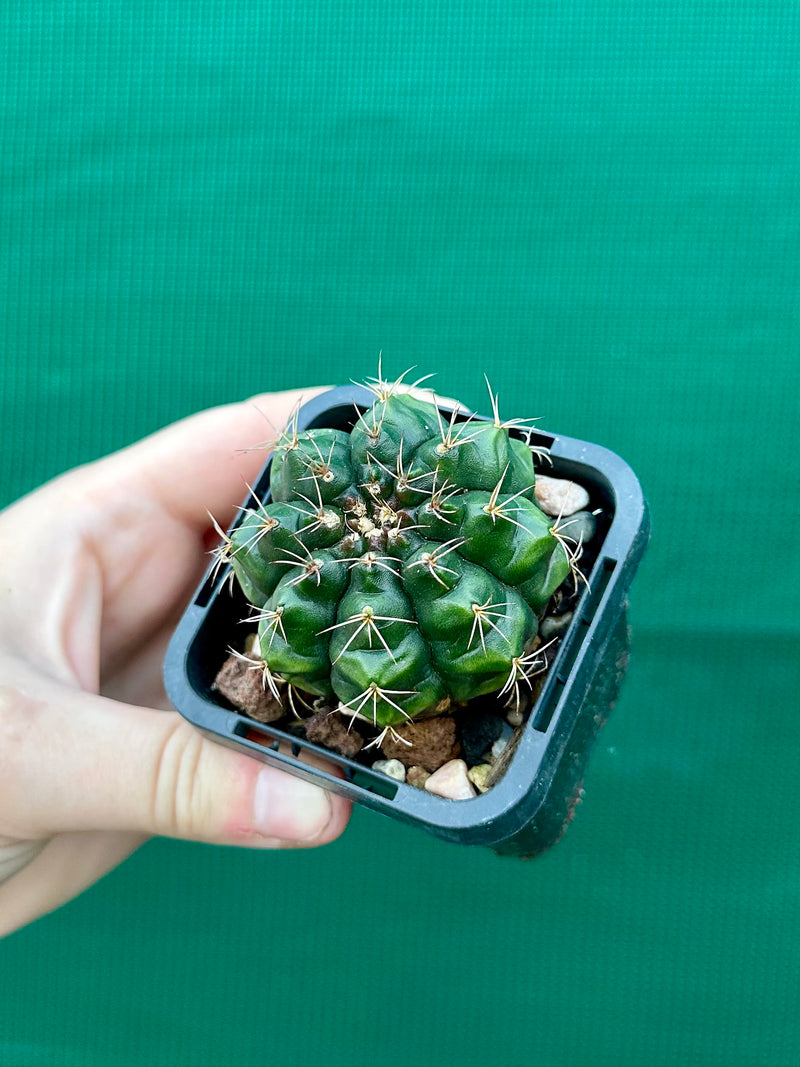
<point x="289" y="808"/>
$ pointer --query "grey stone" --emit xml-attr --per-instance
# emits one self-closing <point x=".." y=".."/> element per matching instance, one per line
<point x="560" y="496"/>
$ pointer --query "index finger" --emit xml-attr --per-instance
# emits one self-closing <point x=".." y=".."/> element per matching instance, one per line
<point x="203" y="463"/>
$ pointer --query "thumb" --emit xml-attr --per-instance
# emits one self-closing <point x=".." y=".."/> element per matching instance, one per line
<point x="76" y="761"/>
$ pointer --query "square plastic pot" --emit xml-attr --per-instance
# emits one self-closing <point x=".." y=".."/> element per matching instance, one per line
<point x="527" y="810"/>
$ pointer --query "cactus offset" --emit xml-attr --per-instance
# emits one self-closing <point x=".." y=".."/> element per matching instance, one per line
<point x="403" y="566"/>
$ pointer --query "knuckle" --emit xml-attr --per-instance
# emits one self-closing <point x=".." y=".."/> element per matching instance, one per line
<point x="174" y="801"/>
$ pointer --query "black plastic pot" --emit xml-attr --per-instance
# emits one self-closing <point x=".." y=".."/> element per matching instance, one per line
<point x="528" y="809"/>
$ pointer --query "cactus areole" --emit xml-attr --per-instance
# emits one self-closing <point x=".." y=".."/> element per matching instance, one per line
<point x="400" y="568"/>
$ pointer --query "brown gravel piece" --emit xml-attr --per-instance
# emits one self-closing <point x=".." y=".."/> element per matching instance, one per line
<point x="417" y="776"/>
<point x="329" y="728"/>
<point x="432" y="743"/>
<point x="243" y="685"/>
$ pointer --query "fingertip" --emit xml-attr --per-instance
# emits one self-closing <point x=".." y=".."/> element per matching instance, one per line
<point x="297" y="811"/>
<point x="203" y="462"/>
<point x="341" y="809"/>
<point x="289" y="808"/>
<point x="284" y="810"/>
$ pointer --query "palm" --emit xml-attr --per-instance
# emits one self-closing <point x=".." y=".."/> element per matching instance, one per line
<point x="100" y="564"/>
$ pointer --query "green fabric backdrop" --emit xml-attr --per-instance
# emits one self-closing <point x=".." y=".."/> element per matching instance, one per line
<point x="597" y="203"/>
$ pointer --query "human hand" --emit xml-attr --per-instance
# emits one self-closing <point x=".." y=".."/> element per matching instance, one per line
<point x="97" y="567"/>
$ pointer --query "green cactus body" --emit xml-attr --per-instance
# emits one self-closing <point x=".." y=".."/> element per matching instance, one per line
<point x="400" y="567"/>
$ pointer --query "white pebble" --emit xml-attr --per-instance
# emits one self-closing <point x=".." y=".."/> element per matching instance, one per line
<point x="499" y="746"/>
<point x="497" y="749"/>
<point x="558" y="496"/>
<point x="252" y="647"/>
<point x="514" y="716"/>
<point x="451" y="781"/>
<point x="392" y="768"/>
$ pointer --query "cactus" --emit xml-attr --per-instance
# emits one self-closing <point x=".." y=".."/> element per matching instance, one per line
<point x="400" y="568"/>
